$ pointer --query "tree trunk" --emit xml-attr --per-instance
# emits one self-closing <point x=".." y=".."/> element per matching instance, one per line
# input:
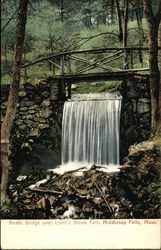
<point x="118" y="12"/>
<point x="159" y="108"/>
<point x="159" y="105"/>
<point x="139" y="17"/>
<point x="154" y="72"/>
<point x="112" y="12"/>
<point x="126" y="8"/>
<point x="159" y="42"/>
<point x="153" y="26"/>
<point x="87" y="11"/>
<point x="13" y="94"/>
<point x="124" y="42"/>
<point x="62" y="11"/>
<point x="138" y="12"/>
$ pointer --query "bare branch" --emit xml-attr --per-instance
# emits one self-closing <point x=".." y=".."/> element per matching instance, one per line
<point x="10" y="19"/>
<point x="100" y="34"/>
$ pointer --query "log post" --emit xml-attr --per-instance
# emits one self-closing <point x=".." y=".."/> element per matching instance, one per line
<point x="140" y="57"/>
<point x="69" y="90"/>
<point x="62" y="64"/>
<point x="53" y="69"/>
<point x="126" y="66"/>
<point x="131" y="58"/>
<point x="69" y="66"/>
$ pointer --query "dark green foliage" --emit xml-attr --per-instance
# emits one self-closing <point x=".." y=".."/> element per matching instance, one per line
<point x="21" y="149"/>
<point x="98" y="87"/>
<point x="9" y="210"/>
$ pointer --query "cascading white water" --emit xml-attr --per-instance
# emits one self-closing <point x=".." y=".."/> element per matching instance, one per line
<point x="90" y="129"/>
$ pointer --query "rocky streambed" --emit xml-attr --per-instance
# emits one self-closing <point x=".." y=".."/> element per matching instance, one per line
<point x="134" y="192"/>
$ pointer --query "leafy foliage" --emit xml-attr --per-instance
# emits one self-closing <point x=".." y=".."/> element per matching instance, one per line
<point x="55" y="26"/>
<point x="22" y="146"/>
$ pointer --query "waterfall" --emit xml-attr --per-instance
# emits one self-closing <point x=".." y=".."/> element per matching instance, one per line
<point x="90" y="129"/>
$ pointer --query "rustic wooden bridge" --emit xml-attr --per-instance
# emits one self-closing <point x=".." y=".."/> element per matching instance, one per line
<point x="95" y="64"/>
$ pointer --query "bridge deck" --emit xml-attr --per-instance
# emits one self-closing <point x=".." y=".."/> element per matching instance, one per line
<point x="112" y="76"/>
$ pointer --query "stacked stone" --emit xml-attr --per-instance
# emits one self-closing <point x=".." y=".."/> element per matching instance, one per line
<point x="35" y="108"/>
<point x="4" y="97"/>
<point x="135" y="117"/>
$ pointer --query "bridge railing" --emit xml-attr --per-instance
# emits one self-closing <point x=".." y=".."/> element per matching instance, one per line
<point x="92" y="60"/>
<point x="99" y="60"/>
<point x="93" y="64"/>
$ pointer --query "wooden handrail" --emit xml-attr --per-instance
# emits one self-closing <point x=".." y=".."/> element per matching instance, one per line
<point x="87" y="51"/>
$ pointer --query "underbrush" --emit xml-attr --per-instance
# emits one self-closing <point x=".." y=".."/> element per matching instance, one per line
<point x="96" y="87"/>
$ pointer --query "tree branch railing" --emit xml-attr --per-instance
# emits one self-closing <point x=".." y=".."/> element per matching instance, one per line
<point x="68" y="58"/>
<point x="64" y="61"/>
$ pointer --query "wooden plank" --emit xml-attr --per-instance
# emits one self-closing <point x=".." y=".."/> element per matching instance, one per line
<point x="118" y="75"/>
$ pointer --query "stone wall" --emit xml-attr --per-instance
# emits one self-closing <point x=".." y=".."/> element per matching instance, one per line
<point x="135" y="113"/>
<point x="36" y="134"/>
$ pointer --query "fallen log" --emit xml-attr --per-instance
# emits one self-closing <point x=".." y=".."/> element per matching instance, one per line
<point x="44" y="191"/>
<point x="106" y="202"/>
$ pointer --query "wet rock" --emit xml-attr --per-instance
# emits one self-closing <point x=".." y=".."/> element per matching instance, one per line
<point x="33" y="107"/>
<point x="26" y="103"/>
<point x="46" y="103"/>
<point x="54" y="92"/>
<point x="35" y="132"/>
<point x="22" y="93"/>
<point x="45" y="113"/>
<point x="23" y="109"/>
<point x="31" y="111"/>
<point x="43" y="126"/>
<point x="23" y="127"/>
<point x="143" y="105"/>
<point x="45" y="94"/>
<point x="39" y="119"/>
<point x="29" y="117"/>
<point x="28" y="122"/>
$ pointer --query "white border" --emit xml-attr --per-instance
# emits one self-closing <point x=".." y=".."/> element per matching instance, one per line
<point x="80" y="234"/>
